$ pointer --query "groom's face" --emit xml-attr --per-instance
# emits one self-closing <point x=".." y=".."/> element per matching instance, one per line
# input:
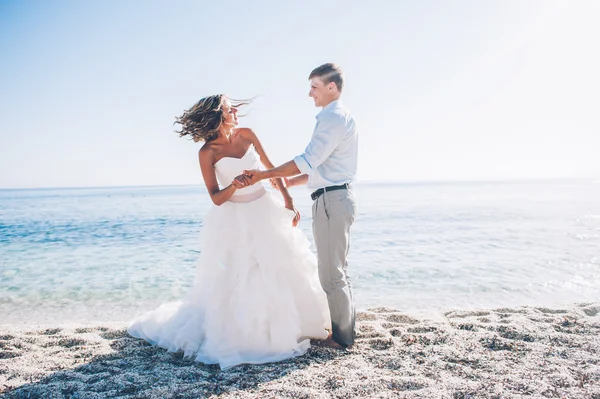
<point x="320" y="92"/>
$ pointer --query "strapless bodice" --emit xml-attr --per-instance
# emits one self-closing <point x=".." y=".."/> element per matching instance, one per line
<point x="227" y="168"/>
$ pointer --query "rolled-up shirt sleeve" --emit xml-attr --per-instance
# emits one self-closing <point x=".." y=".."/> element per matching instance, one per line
<point x="329" y="132"/>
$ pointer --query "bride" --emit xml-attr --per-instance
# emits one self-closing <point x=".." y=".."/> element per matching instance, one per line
<point x="256" y="296"/>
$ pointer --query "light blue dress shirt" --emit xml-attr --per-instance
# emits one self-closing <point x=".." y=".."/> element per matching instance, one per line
<point x="331" y="157"/>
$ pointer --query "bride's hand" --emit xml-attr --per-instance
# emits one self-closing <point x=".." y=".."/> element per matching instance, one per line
<point x="296" y="218"/>
<point x="240" y="181"/>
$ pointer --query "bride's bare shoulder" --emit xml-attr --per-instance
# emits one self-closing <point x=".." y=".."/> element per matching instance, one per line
<point x="245" y="132"/>
<point x="206" y="151"/>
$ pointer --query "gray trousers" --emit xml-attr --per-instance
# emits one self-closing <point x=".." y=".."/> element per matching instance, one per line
<point x="333" y="214"/>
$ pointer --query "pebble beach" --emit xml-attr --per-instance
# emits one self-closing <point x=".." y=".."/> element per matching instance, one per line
<point x="489" y="353"/>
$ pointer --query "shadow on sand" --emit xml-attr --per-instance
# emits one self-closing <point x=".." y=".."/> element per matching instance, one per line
<point x="137" y="369"/>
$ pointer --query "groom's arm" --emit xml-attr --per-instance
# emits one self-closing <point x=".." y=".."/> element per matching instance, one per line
<point x="286" y="170"/>
<point x="297" y="180"/>
<point x="328" y="134"/>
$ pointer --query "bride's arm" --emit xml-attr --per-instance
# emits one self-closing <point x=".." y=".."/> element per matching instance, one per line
<point x="217" y="195"/>
<point x="264" y="159"/>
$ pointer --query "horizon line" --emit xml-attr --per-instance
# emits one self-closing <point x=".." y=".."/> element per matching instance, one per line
<point x="593" y="179"/>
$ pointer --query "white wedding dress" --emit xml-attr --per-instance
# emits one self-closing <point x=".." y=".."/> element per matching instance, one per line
<point x="256" y="297"/>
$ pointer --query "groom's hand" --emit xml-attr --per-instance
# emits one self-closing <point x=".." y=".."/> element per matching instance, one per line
<point x="285" y="180"/>
<point x="240" y="181"/>
<point x="253" y="176"/>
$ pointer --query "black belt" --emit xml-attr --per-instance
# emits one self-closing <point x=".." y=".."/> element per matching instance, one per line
<point x="320" y="191"/>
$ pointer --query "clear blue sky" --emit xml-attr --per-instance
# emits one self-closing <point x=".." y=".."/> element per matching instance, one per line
<point x="440" y="90"/>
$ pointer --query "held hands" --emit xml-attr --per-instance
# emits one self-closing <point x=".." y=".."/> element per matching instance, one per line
<point x="248" y="178"/>
<point x="254" y="176"/>
<point x="240" y="181"/>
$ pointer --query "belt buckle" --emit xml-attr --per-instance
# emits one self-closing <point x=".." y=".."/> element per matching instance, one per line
<point x="316" y="194"/>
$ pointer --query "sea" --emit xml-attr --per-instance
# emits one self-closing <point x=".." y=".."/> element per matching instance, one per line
<point x="107" y="254"/>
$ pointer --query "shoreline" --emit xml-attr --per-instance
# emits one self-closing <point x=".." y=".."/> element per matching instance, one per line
<point x="495" y="353"/>
<point x="30" y="317"/>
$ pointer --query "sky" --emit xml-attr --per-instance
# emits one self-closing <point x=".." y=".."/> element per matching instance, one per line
<point x="461" y="90"/>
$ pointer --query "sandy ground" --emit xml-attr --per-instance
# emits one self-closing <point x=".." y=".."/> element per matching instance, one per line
<point x="500" y="353"/>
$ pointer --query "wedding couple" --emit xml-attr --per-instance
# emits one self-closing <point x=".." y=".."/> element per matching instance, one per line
<point x="259" y="293"/>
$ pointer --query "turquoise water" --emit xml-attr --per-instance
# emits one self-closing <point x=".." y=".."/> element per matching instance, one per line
<point x="90" y="254"/>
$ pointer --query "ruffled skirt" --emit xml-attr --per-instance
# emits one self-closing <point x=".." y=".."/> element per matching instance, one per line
<point x="256" y="297"/>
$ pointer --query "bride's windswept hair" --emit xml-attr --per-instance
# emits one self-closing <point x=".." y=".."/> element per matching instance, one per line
<point x="204" y="119"/>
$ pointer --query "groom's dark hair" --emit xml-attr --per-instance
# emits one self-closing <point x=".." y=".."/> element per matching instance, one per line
<point x="329" y="73"/>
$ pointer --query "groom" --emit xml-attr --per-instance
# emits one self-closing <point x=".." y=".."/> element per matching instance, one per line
<point x="328" y="167"/>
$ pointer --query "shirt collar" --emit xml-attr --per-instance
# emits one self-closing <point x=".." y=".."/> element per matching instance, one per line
<point x="328" y="107"/>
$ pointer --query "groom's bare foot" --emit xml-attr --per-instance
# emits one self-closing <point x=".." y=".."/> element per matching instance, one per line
<point x="327" y="343"/>
<point x="330" y="343"/>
